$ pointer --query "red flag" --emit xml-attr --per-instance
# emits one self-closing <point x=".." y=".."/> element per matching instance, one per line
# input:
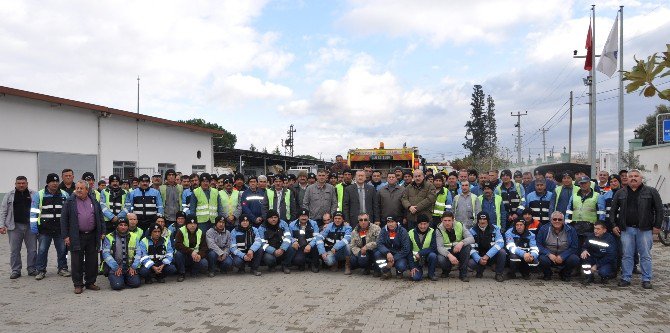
<point x="588" y="64"/>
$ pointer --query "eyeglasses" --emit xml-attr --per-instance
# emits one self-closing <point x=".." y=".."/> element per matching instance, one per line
<point x="360" y="220"/>
<point x="556" y="219"/>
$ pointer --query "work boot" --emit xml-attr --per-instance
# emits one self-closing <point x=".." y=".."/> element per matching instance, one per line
<point x="623" y="283"/>
<point x="40" y="276"/>
<point x="500" y="278"/>
<point x="386" y="275"/>
<point x="347" y="265"/>
<point x="15" y="275"/>
<point x="646" y="285"/>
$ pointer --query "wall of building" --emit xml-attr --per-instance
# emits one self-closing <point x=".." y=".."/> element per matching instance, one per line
<point x="656" y="161"/>
<point x="158" y="143"/>
<point x="31" y="128"/>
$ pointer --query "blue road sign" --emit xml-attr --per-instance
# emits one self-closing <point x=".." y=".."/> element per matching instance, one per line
<point x="666" y="130"/>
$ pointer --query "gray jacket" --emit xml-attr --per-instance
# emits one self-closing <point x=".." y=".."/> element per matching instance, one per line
<point x="7" y="210"/>
<point x="319" y="200"/>
<point x="389" y="202"/>
<point x="443" y="250"/>
<point x="218" y="242"/>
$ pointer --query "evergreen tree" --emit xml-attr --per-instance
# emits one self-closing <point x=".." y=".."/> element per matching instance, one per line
<point x="476" y="132"/>
<point x="252" y="147"/>
<point x="491" y="126"/>
<point x="276" y="151"/>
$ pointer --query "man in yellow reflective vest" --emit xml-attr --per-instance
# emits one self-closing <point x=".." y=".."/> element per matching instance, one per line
<point x="424" y="249"/>
<point x="583" y="211"/>
<point x="453" y="244"/>
<point x="230" y="203"/>
<point x="190" y="249"/>
<point x="282" y="200"/>
<point x="118" y="252"/>
<point x="205" y="203"/>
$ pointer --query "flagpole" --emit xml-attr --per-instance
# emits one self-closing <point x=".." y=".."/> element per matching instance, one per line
<point x="620" y="56"/>
<point x="592" y="113"/>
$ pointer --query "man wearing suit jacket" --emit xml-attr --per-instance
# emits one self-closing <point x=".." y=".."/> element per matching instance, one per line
<point x="359" y="198"/>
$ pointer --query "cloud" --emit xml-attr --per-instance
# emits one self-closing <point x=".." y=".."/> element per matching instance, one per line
<point x="95" y="51"/>
<point x="437" y="21"/>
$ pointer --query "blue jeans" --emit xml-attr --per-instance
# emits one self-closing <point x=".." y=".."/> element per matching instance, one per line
<point x="364" y="262"/>
<point x="184" y="261"/>
<point x="44" y="243"/>
<point x="633" y="238"/>
<point x="271" y="261"/>
<point x="213" y="260"/>
<point x="400" y="264"/>
<point x="120" y="282"/>
<point x="431" y="260"/>
<point x="339" y="255"/>
<point x="254" y="263"/>
<point x="568" y="264"/>
<point x="149" y="272"/>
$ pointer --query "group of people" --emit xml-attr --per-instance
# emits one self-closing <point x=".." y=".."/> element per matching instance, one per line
<point x="410" y="224"/>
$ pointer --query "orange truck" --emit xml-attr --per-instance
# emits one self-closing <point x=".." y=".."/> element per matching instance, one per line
<point x="385" y="160"/>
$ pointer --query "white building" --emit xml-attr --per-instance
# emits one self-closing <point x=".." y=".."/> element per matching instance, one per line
<point x="656" y="162"/>
<point x="40" y="134"/>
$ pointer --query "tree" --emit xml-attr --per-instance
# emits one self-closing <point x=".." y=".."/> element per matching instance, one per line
<point x="252" y="147"/>
<point x="308" y="157"/>
<point x="631" y="161"/>
<point x="265" y="150"/>
<point x="475" y="135"/>
<point x="642" y="75"/>
<point x="647" y="131"/>
<point x="491" y="126"/>
<point x="276" y="151"/>
<point x="227" y="140"/>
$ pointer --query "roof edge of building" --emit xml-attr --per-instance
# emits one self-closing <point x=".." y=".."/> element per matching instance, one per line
<point x="100" y="108"/>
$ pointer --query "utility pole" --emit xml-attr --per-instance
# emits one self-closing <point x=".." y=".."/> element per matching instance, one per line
<point x="620" y="56"/>
<point x="570" y="132"/>
<point x="138" y="94"/>
<point x="518" y="116"/>
<point x="544" y="143"/>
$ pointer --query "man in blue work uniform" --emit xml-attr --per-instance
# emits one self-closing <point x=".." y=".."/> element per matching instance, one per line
<point x="145" y="202"/>
<point x="487" y="248"/>
<point x="599" y="254"/>
<point x="424" y="249"/>
<point x="333" y="243"/>
<point x="253" y="202"/>
<point x="393" y="248"/>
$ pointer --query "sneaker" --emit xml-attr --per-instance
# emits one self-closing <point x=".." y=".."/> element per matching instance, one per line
<point x="433" y="278"/>
<point x="286" y="270"/>
<point x="256" y="273"/>
<point x="464" y="278"/>
<point x="40" y="276"/>
<point x="624" y="283"/>
<point x="32" y="273"/>
<point x="64" y="272"/>
<point x="15" y="275"/>
<point x="500" y="278"/>
<point x="646" y="285"/>
<point x="211" y="274"/>
<point x="398" y="275"/>
<point x="181" y="278"/>
<point x="315" y="268"/>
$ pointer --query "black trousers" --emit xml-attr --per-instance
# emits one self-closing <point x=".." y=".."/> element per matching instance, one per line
<point x="84" y="263"/>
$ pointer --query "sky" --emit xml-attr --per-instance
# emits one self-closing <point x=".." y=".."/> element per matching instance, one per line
<point x="346" y="74"/>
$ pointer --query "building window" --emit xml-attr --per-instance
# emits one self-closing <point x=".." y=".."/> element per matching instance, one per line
<point x="163" y="167"/>
<point x="198" y="169"/>
<point x="125" y="169"/>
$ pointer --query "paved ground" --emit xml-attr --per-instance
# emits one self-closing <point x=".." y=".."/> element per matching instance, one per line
<point x="330" y="302"/>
